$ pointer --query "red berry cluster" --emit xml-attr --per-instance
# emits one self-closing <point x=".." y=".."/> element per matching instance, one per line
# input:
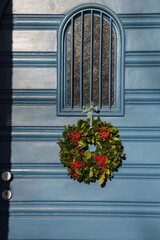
<point x="103" y="132"/>
<point x="74" y="175"/>
<point x="76" y="165"/>
<point x="100" y="161"/>
<point x="75" y="137"/>
<point x="78" y="151"/>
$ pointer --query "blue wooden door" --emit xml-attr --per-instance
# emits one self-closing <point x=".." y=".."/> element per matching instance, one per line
<point x="45" y="202"/>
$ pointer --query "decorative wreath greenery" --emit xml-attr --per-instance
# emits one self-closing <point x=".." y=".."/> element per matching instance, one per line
<point x="87" y="166"/>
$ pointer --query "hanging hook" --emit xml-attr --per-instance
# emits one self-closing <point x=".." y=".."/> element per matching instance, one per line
<point x="89" y="111"/>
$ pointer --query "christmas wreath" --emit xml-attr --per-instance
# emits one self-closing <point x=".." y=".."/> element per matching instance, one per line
<point x="85" y="165"/>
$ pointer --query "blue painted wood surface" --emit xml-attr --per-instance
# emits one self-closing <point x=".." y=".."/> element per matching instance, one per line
<point x="46" y="204"/>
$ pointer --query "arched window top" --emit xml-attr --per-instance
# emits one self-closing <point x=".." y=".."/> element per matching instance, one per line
<point x="91" y="61"/>
<point x="95" y="7"/>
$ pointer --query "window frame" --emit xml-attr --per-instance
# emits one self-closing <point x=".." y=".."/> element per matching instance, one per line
<point x="118" y="109"/>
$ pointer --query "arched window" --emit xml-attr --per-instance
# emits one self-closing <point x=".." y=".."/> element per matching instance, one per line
<point x="91" y="62"/>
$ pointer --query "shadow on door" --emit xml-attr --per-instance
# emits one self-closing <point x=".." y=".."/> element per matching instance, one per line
<point x="6" y="25"/>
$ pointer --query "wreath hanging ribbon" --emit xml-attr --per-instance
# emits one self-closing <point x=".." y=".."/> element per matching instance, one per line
<point x="85" y="165"/>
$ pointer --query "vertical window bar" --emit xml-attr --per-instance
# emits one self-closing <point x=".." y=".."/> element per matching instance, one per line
<point x="91" y="58"/>
<point x="110" y="63"/>
<point x="81" y="61"/>
<point x="65" y="70"/>
<point x="100" y="60"/>
<point x="62" y="90"/>
<point x="72" y="55"/>
<point x="115" y="67"/>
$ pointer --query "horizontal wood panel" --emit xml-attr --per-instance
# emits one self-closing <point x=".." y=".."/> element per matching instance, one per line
<point x="142" y="59"/>
<point x="142" y="78"/>
<point x="46" y="77"/>
<point x="25" y="133"/>
<point x="54" y="7"/>
<point x="49" y="59"/>
<point x="24" y="78"/>
<point x="142" y="40"/>
<point x="93" y="228"/>
<point x="144" y="96"/>
<point x="28" y="40"/>
<point x="37" y="151"/>
<point x="56" y="170"/>
<point x="101" y="217"/>
<point x="52" y="21"/>
<point x="47" y="152"/>
<point x="29" y="96"/>
<point x="28" y="59"/>
<point x="65" y="189"/>
<point x="49" y="96"/>
<point x="140" y="20"/>
<point x="53" y="171"/>
<point x="83" y="208"/>
<point x="142" y="115"/>
<point x="31" y="21"/>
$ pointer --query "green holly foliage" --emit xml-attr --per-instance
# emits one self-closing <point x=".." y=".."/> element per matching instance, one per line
<point x="84" y="165"/>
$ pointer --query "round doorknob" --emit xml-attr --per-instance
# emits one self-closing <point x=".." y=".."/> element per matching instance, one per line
<point x="6" y="194"/>
<point x="6" y="176"/>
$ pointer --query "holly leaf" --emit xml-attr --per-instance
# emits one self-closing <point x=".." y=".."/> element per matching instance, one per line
<point x="78" y="172"/>
<point x="102" y="178"/>
<point x="108" y="171"/>
<point x="122" y="155"/>
<point x="91" y="172"/>
<point x="99" y="145"/>
<point x="116" y="139"/>
<point x="113" y="147"/>
<point x="83" y="125"/>
<point x="66" y="127"/>
<point x="85" y="134"/>
<point x="113" y="129"/>
<point x="82" y="143"/>
<point x="88" y="155"/>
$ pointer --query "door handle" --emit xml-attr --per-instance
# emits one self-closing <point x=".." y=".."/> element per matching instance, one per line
<point x="6" y="176"/>
<point x="6" y="194"/>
